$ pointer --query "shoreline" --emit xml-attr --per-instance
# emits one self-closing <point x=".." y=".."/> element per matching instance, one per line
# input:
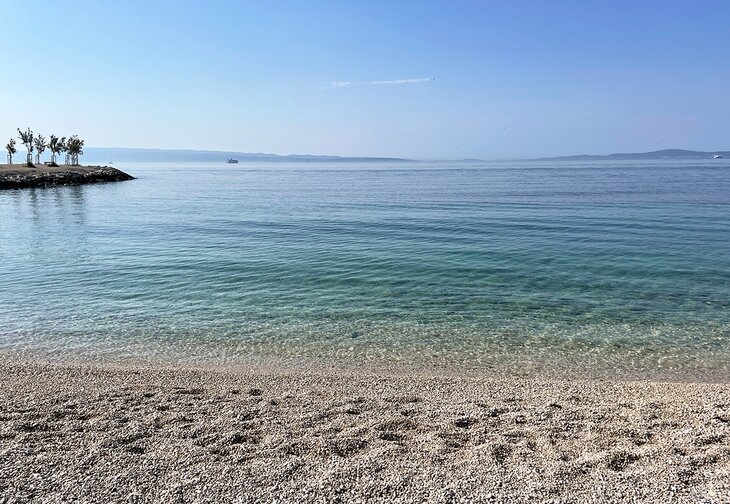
<point x="17" y="176"/>
<point x="223" y="362"/>
<point x="331" y="433"/>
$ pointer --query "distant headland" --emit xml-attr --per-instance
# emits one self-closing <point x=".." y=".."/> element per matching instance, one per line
<point x="660" y="154"/>
<point x="39" y="173"/>
<point x="127" y="155"/>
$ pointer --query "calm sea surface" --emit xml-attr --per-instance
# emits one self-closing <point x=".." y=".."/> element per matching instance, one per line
<point x="604" y="265"/>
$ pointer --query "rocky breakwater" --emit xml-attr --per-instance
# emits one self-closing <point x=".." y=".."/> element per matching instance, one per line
<point x="16" y="176"/>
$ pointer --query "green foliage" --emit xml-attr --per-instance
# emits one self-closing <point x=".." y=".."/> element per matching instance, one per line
<point x="40" y="146"/>
<point x="27" y="138"/>
<point x="55" y="146"/>
<point x="10" y="147"/>
<point x="63" y="145"/>
<point x="73" y="147"/>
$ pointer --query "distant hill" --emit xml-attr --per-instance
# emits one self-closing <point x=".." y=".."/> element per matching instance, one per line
<point x="118" y="154"/>
<point x="660" y="154"/>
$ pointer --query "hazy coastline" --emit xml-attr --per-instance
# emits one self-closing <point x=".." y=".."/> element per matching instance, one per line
<point x="132" y="155"/>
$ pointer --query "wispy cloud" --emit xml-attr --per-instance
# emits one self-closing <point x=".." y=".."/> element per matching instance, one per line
<point x="340" y="84"/>
<point x="400" y="81"/>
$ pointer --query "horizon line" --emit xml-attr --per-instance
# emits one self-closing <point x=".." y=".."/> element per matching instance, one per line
<point x="418" y="158"/>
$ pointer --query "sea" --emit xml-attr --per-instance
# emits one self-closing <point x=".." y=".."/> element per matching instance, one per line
<point x="601" y="266"/>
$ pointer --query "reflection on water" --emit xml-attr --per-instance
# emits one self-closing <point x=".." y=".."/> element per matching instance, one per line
<point x="48" y="205"/>
<point x="57" y="214"/>
<point x="613" y="266"/>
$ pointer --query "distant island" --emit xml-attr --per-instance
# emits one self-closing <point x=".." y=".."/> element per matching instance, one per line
<point x="660" y="154"/>
<point x="110" y="155"/>
<point x="122" y="154"/>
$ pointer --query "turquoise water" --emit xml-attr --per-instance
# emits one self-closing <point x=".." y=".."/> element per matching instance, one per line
<point x="598" y="265"/>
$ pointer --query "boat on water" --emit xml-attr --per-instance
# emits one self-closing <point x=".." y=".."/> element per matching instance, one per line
<point x="232" y="161"/>
<point x="717" y="156"/>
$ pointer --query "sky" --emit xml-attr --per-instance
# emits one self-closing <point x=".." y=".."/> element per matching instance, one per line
<point x="418" y="79"/>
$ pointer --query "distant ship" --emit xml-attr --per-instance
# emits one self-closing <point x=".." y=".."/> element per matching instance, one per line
<point x="232" y="161"/>
<point x="717" y="156"/>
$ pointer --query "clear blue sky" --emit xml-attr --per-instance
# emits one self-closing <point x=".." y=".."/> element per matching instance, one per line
<point x="483" y="79"/>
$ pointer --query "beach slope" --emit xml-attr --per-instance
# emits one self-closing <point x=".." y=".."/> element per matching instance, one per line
<point x="132" y="434"/>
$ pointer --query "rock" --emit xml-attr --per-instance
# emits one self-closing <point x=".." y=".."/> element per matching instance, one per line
<point x="18" y="178"/>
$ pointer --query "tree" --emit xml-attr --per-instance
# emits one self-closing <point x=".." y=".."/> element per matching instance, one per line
<point x="40" y="146"/>
<point x="27" y="138"/>
<point x="11" y="150"/>
<point x="63" y="146"/>
<point x="55" y="146"/>
<point x="75" y="147"/>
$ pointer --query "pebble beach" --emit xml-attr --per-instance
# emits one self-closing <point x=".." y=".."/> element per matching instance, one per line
<point x="129" y="433"/>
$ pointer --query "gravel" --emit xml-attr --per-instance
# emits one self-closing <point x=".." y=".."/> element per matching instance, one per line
<point x="103" y="433"/>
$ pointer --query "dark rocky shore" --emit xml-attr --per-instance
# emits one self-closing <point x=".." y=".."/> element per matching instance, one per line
<point x="18" y="176"/>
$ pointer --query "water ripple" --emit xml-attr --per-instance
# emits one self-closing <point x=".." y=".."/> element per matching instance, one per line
<point x="610" y="265"/>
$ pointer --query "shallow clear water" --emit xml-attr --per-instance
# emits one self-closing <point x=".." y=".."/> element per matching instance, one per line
<point x="606" y="265"/>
